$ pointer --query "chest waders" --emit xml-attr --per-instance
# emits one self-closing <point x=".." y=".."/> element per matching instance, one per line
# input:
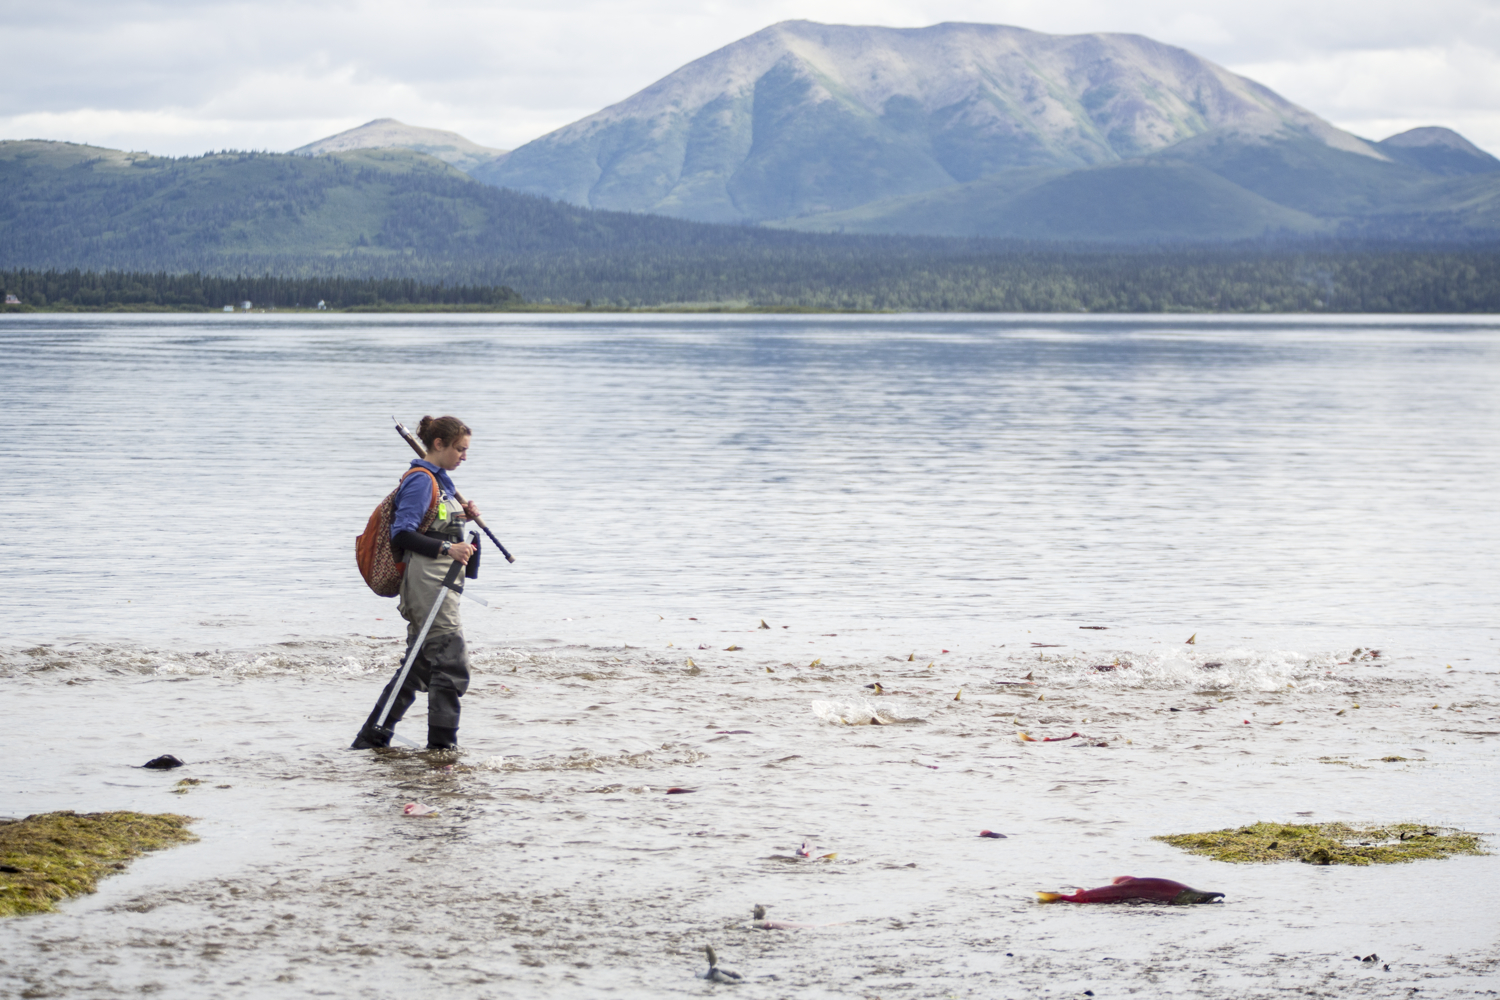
<point x="454" y="581"/>
<point x="443" y="671"/>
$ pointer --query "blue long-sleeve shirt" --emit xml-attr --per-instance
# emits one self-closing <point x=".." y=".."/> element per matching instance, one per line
<point x="415" y="496"/>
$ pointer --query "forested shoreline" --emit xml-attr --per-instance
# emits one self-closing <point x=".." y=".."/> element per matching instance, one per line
<point x="76" y="290"/>
<point x="911" y="278"/>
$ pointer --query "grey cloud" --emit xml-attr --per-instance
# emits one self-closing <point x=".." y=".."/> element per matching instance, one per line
<point x="279" y="68"/>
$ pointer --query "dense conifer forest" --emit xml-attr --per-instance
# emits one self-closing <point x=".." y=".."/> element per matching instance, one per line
<point x="127" y="290"/>
<point x="975" y="280"/>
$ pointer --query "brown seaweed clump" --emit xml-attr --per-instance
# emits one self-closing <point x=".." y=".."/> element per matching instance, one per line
<point x="51" y="856"/>
<point x="1329" y="843"/>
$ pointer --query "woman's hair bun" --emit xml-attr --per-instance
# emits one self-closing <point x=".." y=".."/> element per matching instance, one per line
<point x="446" y="429"/>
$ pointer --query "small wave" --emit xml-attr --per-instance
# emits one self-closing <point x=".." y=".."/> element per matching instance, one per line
<point x="355" y="656"/>
<point x="859" y="713"/>
<point x="73" y="660"/>
<point x="1227" y="670"/>
<point x="667" y="755"/>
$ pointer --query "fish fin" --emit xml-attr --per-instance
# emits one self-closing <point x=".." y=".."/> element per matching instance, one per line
<point x="1122" y="878"/>
<point x="1049" y="897"/>
<point x="827" y="857"/>
<point x="1027" y="738"/>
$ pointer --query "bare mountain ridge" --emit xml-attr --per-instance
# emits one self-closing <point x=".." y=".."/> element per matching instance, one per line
<point x="802" y="118"/>
<point x="987" y="131"/>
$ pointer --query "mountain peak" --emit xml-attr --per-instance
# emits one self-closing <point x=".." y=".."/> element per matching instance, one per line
<point x="1432" y="135"/>
<point x="1440" y="151"/>
<point x="450" y="147"/>
<point x="802" y="118"/>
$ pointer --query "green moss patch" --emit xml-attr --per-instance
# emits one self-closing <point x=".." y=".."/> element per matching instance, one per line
<point x="1329" y="843"/>
<point x="51" y="856"/>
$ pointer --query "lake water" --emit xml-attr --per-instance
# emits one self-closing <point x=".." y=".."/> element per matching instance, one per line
<point x="943" y="504"/>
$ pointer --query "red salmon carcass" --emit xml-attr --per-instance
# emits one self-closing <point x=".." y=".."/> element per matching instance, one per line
<point x="1161" y="890"/>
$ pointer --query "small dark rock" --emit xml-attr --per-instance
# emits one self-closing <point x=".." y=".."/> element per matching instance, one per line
<point x="163" y="763"/>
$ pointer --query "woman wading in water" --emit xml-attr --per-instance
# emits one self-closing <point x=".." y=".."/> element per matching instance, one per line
<point x="442" y="667"/>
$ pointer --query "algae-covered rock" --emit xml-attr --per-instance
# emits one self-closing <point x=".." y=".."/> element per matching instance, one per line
<point x="1328" y="843"/>
<point x="51" y="856"/>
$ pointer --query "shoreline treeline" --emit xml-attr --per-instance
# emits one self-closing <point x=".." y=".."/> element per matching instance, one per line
<point x="76" y="289"/>
<point x="913" y="279"/>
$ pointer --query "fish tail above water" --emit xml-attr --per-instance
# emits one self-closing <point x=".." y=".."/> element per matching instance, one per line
<point x="1049" y="897"/>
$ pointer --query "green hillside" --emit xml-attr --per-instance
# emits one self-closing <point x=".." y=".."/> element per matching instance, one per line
<point x="1212" y="187"/>
<point x="358" y="212"/>
<point x="390" y="214"/>
<point x="1134" y="202"/>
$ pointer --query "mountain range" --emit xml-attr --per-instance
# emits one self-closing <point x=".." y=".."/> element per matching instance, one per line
<point x="991" y="131"/>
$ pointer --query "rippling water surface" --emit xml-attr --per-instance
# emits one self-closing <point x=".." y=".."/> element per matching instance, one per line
<point x="945" y="505"/>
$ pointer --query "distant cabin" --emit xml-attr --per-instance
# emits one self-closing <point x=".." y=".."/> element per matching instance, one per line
<point x="229" y="309"/>
<point x="11" y="300"/>
<point x="245" y="305"/>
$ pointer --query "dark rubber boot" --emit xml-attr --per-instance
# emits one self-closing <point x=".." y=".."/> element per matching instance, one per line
<point x="371" y="738"/>
<point x="442" y="738"/>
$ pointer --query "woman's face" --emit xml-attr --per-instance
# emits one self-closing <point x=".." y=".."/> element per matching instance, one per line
<point x="449" y="456"/>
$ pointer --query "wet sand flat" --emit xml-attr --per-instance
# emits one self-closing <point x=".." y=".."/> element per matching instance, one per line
<point x="557" y="865"/>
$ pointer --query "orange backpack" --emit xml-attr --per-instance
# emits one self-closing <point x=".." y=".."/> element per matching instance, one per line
<point x="374" y="551"/>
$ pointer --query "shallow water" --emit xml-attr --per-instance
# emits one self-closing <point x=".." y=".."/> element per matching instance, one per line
<point x="895" y="492"/>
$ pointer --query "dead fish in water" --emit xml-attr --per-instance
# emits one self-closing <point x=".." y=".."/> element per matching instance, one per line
<point x="762" y="924"/>
<point x="804" y="853"/>
<point x="1028" y="738"/>
<point x="992" y="835"/>
<point x="1161" y="890"/>
<point x="716" y="974"/>
<point x="163" y="763"/>
<point x="418" y="809"/>
<point x="681" y="791"/>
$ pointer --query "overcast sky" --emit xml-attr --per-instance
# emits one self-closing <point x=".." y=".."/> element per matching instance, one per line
<point x="187" y="76"/>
